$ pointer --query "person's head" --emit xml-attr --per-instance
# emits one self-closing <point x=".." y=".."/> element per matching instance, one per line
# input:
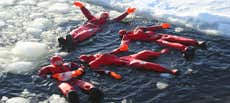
<point x="103" y="17"/>
<point x="56" y="60"/>
<point x="122" y="32"/>
<point x="86" y="58"/>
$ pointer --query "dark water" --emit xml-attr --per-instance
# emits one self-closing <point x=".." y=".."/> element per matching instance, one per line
<point x="208" y="83"/>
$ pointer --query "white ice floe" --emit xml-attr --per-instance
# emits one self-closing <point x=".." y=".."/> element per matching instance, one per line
<point x="59" y="7"/>
<point x="161" y="85"/>
<point x="44" y="4"/>
<point x="40" y="23"/>
<point x="209" y="16"/>
<point x="54" y="99"/>
<point x="28" y="97"/>
<point x="22" y="57"/>
<point x="179" y="29"/>
<point x="2" y="23"/>
<point x="28" y="2"/>
<point x="17" y="100"/>
<point x="19" y="67"/>
<point x="30" y="49"/>
<point x="7" y="2"/>
<point x="36" y="32"/>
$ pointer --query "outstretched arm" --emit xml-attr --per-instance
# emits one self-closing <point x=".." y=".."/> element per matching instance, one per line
<point x="124" y="14"/>
<point x="44" y="71"/>
<point x="148" y="54"/>
<point x="84" y="10"/>
<point x="95" y="66"/>
<point x="112" y="74"/>
<point x="158" y="27"/>
<point x="124" y="46"/>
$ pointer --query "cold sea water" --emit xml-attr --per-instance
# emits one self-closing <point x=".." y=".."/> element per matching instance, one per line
<point x="203" y="79"/>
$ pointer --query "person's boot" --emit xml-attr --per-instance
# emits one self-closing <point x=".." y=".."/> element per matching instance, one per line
<point x="202" y="45"/>
<point x="62" y="43"/>
<point x="70" y="43"/>
<point x="189" y="53"/>
<point x="72" y="97"/>
<point x="96" y="95"/>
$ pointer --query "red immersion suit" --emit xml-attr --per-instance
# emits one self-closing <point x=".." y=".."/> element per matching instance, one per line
<point x="57" y="66"/>
<point x="147" y="34"/>
<point x="138" y="60"/>
<point x="92" y="26"/>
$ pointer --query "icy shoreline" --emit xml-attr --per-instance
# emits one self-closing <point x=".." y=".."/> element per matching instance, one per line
<point x="208" y="16"/>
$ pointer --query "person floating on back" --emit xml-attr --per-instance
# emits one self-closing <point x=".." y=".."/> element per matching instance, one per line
<point x="139" y="60"/>
<point x="90" y="28"/>
<point x="147" y="34"/>
<point x="68" y="76"/>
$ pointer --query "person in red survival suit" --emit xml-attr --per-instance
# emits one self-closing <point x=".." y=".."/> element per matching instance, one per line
<point x="90" y="28"/>
<point x="67" y="86"/>
<point x="138" y="60"/>
<point x="147" y="34"/>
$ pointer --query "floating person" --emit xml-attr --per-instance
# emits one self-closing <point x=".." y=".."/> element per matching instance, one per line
<point x="90" y="28"/>
<point x="68" y="76"/>
<point x="147" y="34"/>
<point x="139" y="60"/>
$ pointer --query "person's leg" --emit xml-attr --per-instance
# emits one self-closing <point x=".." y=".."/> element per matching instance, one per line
<point x="69" y="92"/>
<point x="173" y="45"/>
<point x="145" y="55"/>
<point x="154" y="37"/>
<point x="77" y="30"/>
<point x="188" y="51"/>
<point x="95" y="95"/>
<point x="86" y="86"/>
<point x="159" y="68"/>
<point x="179" y="39"/>
<point x="83" y="35"/>
<point x="140" y="64"/>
